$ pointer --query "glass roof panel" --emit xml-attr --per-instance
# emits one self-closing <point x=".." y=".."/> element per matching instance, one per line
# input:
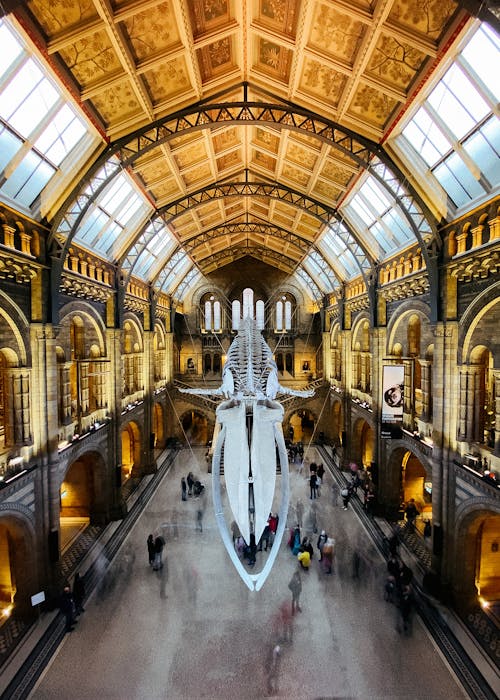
<point x="11" y="48"/>
<point x="155" y="253"/>
<point x="482" y="53"/>
<point x="337" y="254"/>
<point x="113" y="217"/>
<point x="384" y="226"/>
<point x="454" y="133"/>
<point x="35" y="115"/>
<point x="178" y="266"/>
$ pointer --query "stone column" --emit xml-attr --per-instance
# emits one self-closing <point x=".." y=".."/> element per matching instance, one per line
<point x="148" y="462"/>
<point x="327" y="357"/>
<point x="426" y="385"/>
<point x="496" y="448"/>
<point x="113" y="343"/>
<point x="445" y="417"/>
<point x="44" y="413"/>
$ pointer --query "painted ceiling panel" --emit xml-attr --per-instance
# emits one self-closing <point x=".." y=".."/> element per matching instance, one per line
<point x="352" y="64"/>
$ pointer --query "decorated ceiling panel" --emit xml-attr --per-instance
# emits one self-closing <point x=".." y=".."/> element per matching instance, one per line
<point x="132" y="63"/>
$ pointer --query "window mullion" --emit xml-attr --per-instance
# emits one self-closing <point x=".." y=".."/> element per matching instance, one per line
<point x="479" y="85"/>
<point x="456" y="145"/>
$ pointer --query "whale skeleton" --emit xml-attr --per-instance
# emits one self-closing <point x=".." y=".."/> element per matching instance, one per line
<point x="251" y="442"/>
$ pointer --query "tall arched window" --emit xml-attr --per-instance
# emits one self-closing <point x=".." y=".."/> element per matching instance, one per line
<point x="283" y="314"/>
<point x="208" y="315"/>
<point x="288" y="315"/>
<point x="217" y="317"/>
<point x="260" y="314"/>
<point x="279" y="315"/>
<point x="248" y="303"/>
<point x="236" y="313"/>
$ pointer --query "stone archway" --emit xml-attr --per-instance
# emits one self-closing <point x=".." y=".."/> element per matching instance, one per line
<point x="158" y="437"/>
<point x="131" y="451"/>
<point x="476" y="578"/>
<point x="18" y="568"/>
<point x="407" y="476"/>
<point x="82" y="496"/>
<point x="303" y="422"/>
<point x="195" y="426"/>
<point x="363" y="443"/>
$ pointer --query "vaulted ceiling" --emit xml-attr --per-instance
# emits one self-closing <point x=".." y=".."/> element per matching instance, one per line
<point x="266" y="183"/>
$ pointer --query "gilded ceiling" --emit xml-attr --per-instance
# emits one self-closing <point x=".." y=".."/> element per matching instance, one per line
<point x="132" y="62"/>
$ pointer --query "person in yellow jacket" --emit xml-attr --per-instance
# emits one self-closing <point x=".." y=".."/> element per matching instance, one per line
<point x="304" y="559"/>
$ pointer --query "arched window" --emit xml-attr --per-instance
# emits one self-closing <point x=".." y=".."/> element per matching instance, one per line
<point x="208" y="315"/>
<point x="217" y="317"/>
<point x="279" y="315"/>
<point x="259" y="314"/>
<point x="288" y="315"/>
<point x="236" y="313"/>
<point x="248" y="303"/>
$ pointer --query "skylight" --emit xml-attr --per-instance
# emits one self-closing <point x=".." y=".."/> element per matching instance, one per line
<point x="39" y="129"/>
<point x="372" y="210"/>
<point x="113" y="218"/>
<point x="454" y="135"/>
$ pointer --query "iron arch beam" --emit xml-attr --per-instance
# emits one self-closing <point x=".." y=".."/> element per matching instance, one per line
<point x="321" y="212"/>
<point x="125" y="152"/>
<point x="211" y="116"/>
<point x="304" y="245"/>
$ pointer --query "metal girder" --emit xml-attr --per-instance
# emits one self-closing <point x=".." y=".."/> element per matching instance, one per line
<point x="264" y="229"/>
<point x="275" y="115"/>
<point x="211" y="116"/>
<point x="184" y="283"/>
<point x="309" y="282"/>
<point x="323" y="213"/>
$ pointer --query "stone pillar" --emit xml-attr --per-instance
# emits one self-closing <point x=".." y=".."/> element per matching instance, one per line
<point x="445" y="419"/>
<point x="327" y="357"/>
<point x="148" y="462"/>
<point x="113" y="343"/>
<point x="44" y="415"/>
<point x="496" y="448"/>
<point x="426" y="385"/>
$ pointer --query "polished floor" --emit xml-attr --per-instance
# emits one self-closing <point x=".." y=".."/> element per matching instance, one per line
<point x="193" y="630"/>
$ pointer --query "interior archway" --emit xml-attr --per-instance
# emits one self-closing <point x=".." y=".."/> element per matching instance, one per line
<point x="131" y="450"/>
<point x="195" y="427"/>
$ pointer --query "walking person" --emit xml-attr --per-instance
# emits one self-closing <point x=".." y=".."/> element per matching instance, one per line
<point x="328" y="552"/>
<point x="67" y="607"/>
<point x="321" y="542"/>
<point x="151" y="549"/>
<point x="313" y="485"/>
<point x="346" y="496"/>
<point x="273" y="667"/>
<point x="78" y="594"/>
<point x="295" y="586"/>
<point x="273" y="526"/>
<point x="190" y="483"/>
<point x="183" y="489"/>
<point x="159" y="544"/>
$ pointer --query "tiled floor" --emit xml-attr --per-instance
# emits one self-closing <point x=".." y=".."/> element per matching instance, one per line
<point x="194" y="630"/>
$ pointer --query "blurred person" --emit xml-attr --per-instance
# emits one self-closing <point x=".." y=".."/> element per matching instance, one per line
<point x="328" y="553"/>
<point x="190" y="483"/>
<point x="320" y="544"/>
<point x="295" y="586"/>
<point x="273" y="667"/>
<point x="78" y="594"/>
<point x="299" y="510"/>
<point x="159" y="545"/>
<point x="151" y="549"/>
<point x="304" y="559"/>
<point x="67" y="607"/>
<point x="183" y="489"/>
<point x="406" y="602"/>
